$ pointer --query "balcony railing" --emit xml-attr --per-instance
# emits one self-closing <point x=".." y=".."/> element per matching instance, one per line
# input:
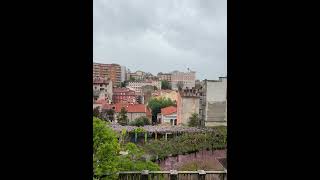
<point x="173" y="175"/>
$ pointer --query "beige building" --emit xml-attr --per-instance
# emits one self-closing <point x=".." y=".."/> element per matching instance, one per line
<point x="187" y="104"/>
<point x="137" y="85"/>
<point x="108" y="71"/>
<point x="173" y="95"/>
<point x="164" y="77"/>
<point x="137" y="76"/>
<point x="102" y="89"/>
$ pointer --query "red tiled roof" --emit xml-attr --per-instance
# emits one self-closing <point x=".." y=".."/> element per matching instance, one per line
<point x="101" y="101"/>
<point x="116" y="90"/>
<point x="131" y="108"/>
<point x="168" y="110"/>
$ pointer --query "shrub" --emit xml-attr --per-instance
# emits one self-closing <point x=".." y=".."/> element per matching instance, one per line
<point x="141" y="121"/>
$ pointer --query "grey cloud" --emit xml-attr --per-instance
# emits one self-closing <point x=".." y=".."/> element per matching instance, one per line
<point x="162" y="35"/>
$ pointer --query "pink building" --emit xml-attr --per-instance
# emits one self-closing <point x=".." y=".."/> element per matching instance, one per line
<point x="124" y="95"/>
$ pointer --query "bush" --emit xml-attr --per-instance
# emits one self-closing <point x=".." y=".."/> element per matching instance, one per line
<point x="106" y="158"/>
<point x="186" y="143"/>
<point x="141" y="121"/>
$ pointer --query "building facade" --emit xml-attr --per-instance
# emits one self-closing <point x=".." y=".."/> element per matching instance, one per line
<point x="147" y="93"/>
<point x="137" y="76"/>
<point x="164" y="77"/>
<point x="134" y="111"/>
<point x="187" y="79"/>
<point x="187" y="104"/>
<point x="173" y="95"/>
<point x="102" y="89"/>
<point x="137" y="85"/>
<point x="214" y="102"/>
<point x="123" y="73"/>
<point x="124" y="95"/>
<point x="110" y="71"/>
<point x="168" y="116"/>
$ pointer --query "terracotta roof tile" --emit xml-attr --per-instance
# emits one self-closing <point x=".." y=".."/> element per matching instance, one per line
<point x="131" y="108"/>
<point x="168" y="110"/>
<point x="101" y="101"/>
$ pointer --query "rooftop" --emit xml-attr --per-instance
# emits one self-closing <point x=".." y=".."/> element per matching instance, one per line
<point x="130" y="108"/>
<point x="168" y="110"/>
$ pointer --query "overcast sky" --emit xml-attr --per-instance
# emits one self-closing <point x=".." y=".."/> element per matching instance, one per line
<point x="162" y="35"/>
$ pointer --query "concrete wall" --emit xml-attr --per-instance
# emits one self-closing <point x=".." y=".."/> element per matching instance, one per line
<point x="215" y="103"/>
<point x="217" y="91"/>
<point x="166" y="119"/>
<point x="189" y="105"/>
<point x="216" y="111"/>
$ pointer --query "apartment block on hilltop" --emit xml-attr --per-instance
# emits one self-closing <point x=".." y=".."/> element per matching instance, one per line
<point x="187" y="79"/>
<point x="164" y="77"/>
<point x="111" y="71"/>
<point x="137" y="85"/>
<point x="137" y="76"/>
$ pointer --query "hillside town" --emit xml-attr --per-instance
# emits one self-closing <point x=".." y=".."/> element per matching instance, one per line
<point x="192" y="102"/>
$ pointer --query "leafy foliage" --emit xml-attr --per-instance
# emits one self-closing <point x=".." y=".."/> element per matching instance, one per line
<point x="132" y="79"/>
<point x="194" y="120"/>
<point x="141" y="121"/>
<point x="96" y="112"/>
<point x="106" y="158"/>
<point x="155" y="104"/>
<point x="122" y="117"/>
<point x="165" y="84"/>
<point x="105" y="150"/>
<point x="186" y="143"/>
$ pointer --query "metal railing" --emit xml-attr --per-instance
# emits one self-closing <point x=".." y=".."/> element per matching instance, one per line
<point x="173" y="175"/>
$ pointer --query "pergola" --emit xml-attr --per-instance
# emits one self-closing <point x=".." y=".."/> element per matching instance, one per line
<point x="165" y="130"/>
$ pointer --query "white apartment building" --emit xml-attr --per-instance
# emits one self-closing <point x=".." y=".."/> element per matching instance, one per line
<point x="186" y="78"/>
<point x="137" y="86"/>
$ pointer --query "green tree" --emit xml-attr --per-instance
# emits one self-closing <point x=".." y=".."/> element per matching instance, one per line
<point x="132" y="79"/>
<point x="122" y="117"/>
<point x="105" y="150"/>
<point x="110" y="114"/>
<point x="165" y="85"/>
<point x="141" y="121"/>
<point x="194" y="120"/>
<point x="96" y="112"/>
<point x="107" y="160"/>
<point x="155" y="104"/>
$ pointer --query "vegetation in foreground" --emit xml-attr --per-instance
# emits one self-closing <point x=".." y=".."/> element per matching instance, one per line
<point x="107" y="160"/>
<point x="198" y="164"/>
<point x="141" y="121"/>
<point x="187" y="143"/>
